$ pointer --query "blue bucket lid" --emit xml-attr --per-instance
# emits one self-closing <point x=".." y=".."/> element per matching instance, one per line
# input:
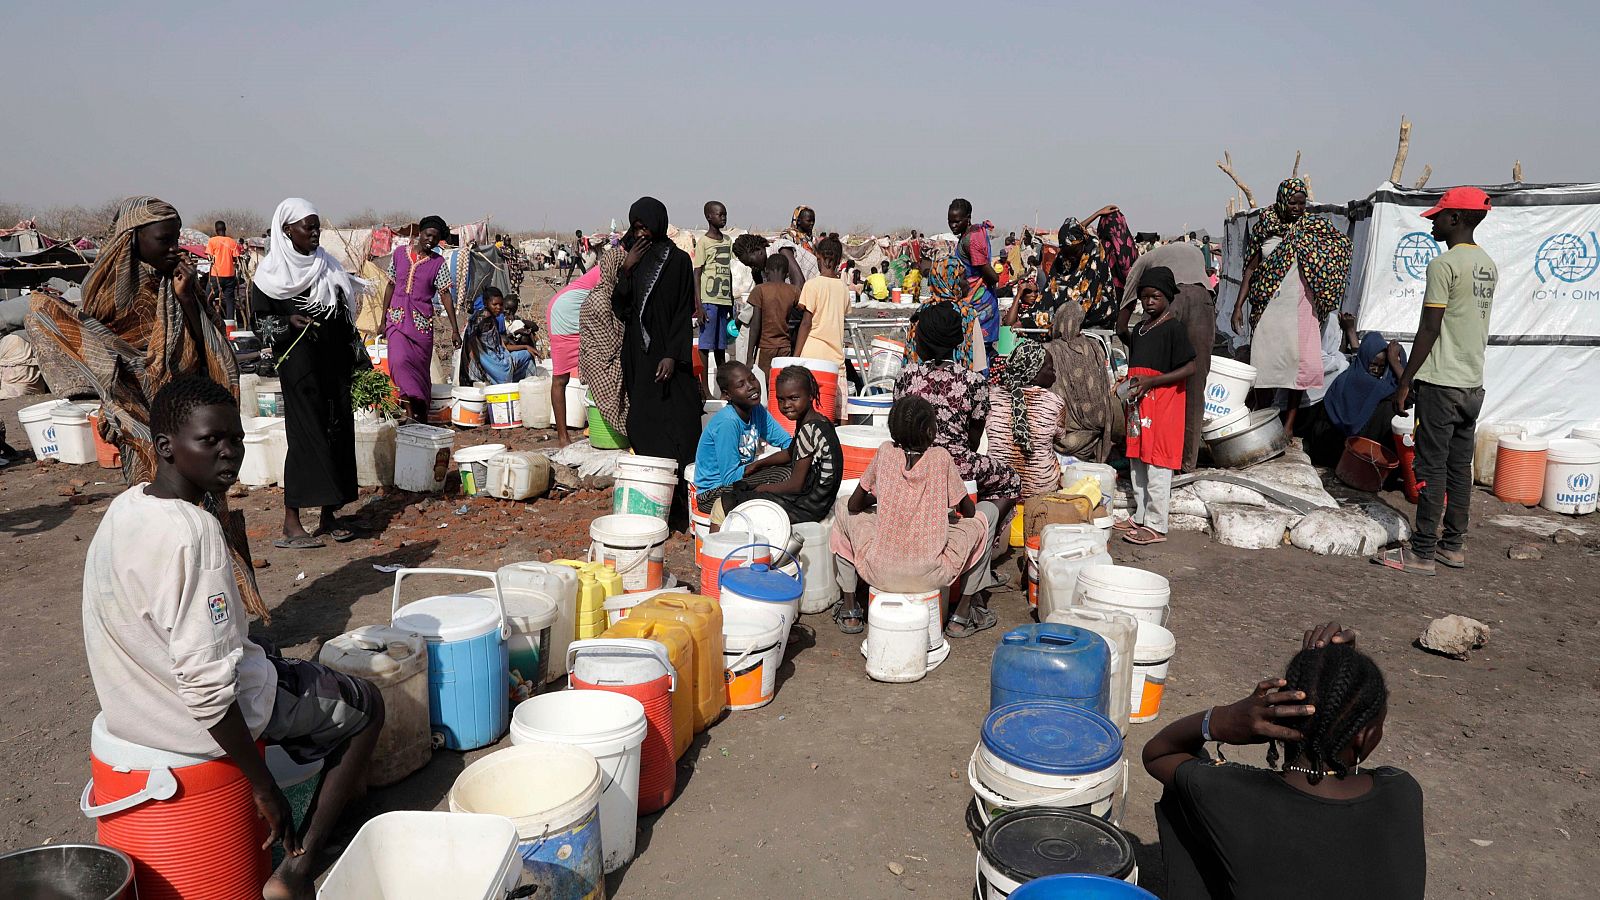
<point x="1080" y="887"/>
<point x="762" y="582"/>
<point x="1052" y="737"/>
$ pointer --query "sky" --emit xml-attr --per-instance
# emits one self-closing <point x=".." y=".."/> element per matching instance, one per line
<point x="551" y="116"/>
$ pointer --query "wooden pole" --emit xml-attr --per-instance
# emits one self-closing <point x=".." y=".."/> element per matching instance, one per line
<point x="1399" y="168"/>
<point x="1296" y="170"/>
<point x="1427" y="172"/>
<point x="1227" y="169"/>
<point x="1516" y="172"/>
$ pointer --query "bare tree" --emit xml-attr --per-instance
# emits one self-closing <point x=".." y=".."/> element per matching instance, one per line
<point x="241" y="222"/>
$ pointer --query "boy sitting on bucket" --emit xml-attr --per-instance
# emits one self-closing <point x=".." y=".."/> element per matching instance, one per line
<point x="167" y="641"/>
<point x="732" y="439"/>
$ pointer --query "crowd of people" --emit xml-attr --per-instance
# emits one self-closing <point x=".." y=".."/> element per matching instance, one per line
<point x="169" y="582"/>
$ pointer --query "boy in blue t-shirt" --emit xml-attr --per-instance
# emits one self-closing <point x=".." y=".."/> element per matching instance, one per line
<point x="733" y="437"/>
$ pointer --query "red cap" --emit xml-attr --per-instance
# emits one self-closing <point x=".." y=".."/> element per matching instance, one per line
<point x="1460" y="198"/>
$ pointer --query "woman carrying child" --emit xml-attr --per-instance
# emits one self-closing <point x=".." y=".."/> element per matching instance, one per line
<point x="924" y="531"/>
<point x="490" y="360"/>
<point x="811" y="466"/>
<point x="1160" y="361"/>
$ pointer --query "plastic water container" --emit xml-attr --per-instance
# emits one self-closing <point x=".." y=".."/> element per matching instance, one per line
<point x="74" y="440"/>
<point x="870" y="410"/>
<point x="760" y="586"/>
<point x="597" y="583"/>
<point x="503" y="405"/>
<point x="1120" y="632"/>
<point x="278" y="451"/>
<point x="860" y="444"/>
<point x="1049" y="854"/>
<point x="816" y="562"/>
<point x="375" y="450"/>
<point x="36" y="422"/>
<point x="1047" y="753"/>
<point x="1590" y="433"/>
<point x="634" y="546"/>
<point x="703" y="617"/>
<point x="530" y="616"/>
<point x="441" y="404"/>
<point x="556" y="583"/>
<point x="1151" y="657"/>
<point x="534" y="394"/>
<point x="577" y="404"/>
<point x="1486" y="448"/>
<point x="1228" y="387"/>
<point x="551" y="793"/>
<point x="468" y="410"/>
<point x="1519" y="468"/>
<point x="468" y="703"/>
<point x="1051" y="662"/>
<point x="715" y="550"/>
<point x="1072" y="473"/>
<point x="158" y="806"/>
<point x="1571" y="477"/>
<point x="612" y="728"/>
<point x="1405" y="450"/>
<point x="932" y="603"/>
<point x="473" y="465"/>
<point x="642" y="670"/>
<point x="827" y="375"/>
<point x="269" y="398"/>
<point x="256" y="469"/>
<point x="1145" y="595"/>
<point x="87" y="871"/>
<point x="752" y="651"/>
<point x="886" y="359"/>
<point x="415" y="855"/>
<point x="422" y="457"/>
<point x="396" y="662"/>
<point x="517" y="475"/>
<point x="644" y="485"/>
<point x="896" y="646"/>
<point x="679" y="642"/>
<point x="1058" y="575"/>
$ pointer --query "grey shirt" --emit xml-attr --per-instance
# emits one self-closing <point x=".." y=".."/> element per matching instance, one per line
<point x="1187" y="262"/>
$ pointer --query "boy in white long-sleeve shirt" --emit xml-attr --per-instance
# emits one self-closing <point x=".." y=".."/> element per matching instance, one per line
<point x="168" y="644"/>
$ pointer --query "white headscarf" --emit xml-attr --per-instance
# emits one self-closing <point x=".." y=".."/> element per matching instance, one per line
<point x="286" y="273"/>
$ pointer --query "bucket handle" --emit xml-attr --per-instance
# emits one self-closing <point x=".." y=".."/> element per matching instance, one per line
<point x="499" y="600"/>
<point x="993" y="799"/>
<point x="159" y="785"/>
<point x="653" y="649"/>
<point x="588" y="556"/>
<point x="792" y="561"/>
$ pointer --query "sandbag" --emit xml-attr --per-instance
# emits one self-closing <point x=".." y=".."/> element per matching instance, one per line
<point x="1338" y="532"/>
<point x="1180" y="522"/>
<point x="1249" y="527"/>
<point x="1222" y="492"/>
<point x="1293" y="473"/>
<point x="1395" y="526"/>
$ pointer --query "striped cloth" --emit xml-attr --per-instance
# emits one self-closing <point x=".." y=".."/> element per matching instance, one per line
<point x="1039" y="468"/>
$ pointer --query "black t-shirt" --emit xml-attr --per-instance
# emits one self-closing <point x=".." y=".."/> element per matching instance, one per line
<point x="1233" y="831"/>
<point x="1163" y="348"/>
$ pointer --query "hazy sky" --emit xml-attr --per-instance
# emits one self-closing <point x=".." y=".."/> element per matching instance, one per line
<point x="876" y="114"/>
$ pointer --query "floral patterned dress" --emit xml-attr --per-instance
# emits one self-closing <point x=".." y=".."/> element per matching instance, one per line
<point x="960" y="399"/>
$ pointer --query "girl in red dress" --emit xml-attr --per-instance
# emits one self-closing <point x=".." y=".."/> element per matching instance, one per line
<point x="1160" y="359"/>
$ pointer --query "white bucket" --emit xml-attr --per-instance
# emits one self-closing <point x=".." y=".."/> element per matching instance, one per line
<point x="422" y="457"/>
<point x="644" y="485"/>
<point x="752" y="651"/>
<point x="410" y="853"/>
<point x="255" y="470"/>
<point x="69" y="426"/>
<point x="1590" y="433"/>
<point x="534" y="393"/>
<point x="1058" y="572"/>
<point x="816" y="562"/>
<point x="531" y="617"/>
<point x="577" y="404"/>
<point x="1144" y="595"/>
<point x="896" y="646"/>
<point x="871" y="410"/>
<point x="468" y="411"/>
<point x="441" y="404"/>
<point x="504" y="403"/>
<point x="1228" y="387"/>
<point x="36" y="422"/>
<point x="269" y="398"/>
<point x="551" y="793"/>
<point x="1002" y="786"/>
<point x="1571" y="476"/>
<point x="1151" y="655"/>
<point x="611" y="726"/>
<point x="473" y="462"/>
<point x="635" y="546"/>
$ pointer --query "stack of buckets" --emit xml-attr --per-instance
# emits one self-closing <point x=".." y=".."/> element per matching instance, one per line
<point x="644" y="485"/>
<point x="827" y="375"/>
<point x="860" y="444"/>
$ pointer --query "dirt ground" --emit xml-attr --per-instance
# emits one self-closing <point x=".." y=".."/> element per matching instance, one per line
<point x="818" y="793"/>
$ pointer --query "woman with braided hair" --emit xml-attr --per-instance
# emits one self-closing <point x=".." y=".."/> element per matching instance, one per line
<point x="1224" y="826"/>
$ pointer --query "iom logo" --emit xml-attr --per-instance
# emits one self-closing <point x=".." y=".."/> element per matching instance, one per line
<point x="1412" y="255"/>
<point x="1566" y="257"/>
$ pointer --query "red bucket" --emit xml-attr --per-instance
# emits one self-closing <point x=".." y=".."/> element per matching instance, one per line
<point x="1365" y="465"/>
<point x="658" y="758"/>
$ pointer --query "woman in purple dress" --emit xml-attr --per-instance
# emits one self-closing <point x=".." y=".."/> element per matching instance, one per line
<point x="416" y="273"/>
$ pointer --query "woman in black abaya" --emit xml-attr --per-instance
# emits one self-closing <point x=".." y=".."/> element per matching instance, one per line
<point x="655" y="299"/>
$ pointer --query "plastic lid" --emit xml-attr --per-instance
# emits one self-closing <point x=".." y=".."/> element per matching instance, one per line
<point x="761" y="582"/>
<point x="480" y="453"/>
<point x="1078" y="886"/>
<point x="527" y="609"/>
<point x="121" y="754"/>
<point x="761" y="517"/>
<point x="1052" y="737"/>
<point x="1524" y="441"/>
<point x="1032" y="843"/>
<point x="449" y="617"/>
<point x="1154" y="644"/>
<point x="1562" y="450"/>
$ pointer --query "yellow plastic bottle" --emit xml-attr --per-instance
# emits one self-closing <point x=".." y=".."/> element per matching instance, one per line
<point x="1017" y="528"/>
<point x="679" y="642"/>
<point x="607" y="578"/>
<point x="703" y="617"/>
<point x="596" y="582"/>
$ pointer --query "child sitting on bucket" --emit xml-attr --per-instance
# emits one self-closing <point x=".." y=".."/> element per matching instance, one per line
<point x="730" y="441"/>
<point x="811" y="467"/>
<point x="910" y="525"/>
<point x="169" y="653"/>
<point x="1224" y="825"/>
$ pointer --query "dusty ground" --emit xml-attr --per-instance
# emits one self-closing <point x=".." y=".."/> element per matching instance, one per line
<point x="816" y="794"/>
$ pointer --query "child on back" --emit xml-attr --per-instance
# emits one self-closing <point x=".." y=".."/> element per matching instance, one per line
<point x="924" y="531"/>
<point x="775" y="300"/>
<point x="806" y="482"/>
<point x="825" y="301"/>
<point x="1160" y="361"/>
<point x="490" y="358"/>
<point x="730" y="441"/>
<point x="167" y="642"/>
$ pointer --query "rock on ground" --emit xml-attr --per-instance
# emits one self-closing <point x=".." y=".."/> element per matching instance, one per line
<point x="1525" y="551"/>
<point x="1454" y="636"/>
<point x="1248" y="527"/>
<point x="1339" y="532"/>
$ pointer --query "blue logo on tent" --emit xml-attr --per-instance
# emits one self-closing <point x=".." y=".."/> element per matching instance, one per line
<point x="1566" y="257"/>
<point x="1412" y="255"/>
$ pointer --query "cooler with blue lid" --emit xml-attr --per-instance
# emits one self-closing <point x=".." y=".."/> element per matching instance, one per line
<point x="1051" y="661"/>
<point x="762" y="586"/>
<point x="468" y="664"/>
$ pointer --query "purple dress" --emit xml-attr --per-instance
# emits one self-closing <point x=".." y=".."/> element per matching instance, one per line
<point x="408" y="323"/>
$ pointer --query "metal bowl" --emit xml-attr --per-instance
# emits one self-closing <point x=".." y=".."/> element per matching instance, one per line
<point x="1258" y="442"/>
<point x="80" y="871"/>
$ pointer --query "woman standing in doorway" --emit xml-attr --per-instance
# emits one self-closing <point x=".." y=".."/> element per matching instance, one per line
<point x="416" y="274"/>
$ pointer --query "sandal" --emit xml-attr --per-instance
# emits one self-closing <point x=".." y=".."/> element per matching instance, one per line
<point x="1144" y="536"/>
<point x="303" y="542"/>
<point x="1123" y="526"/>
<point x="963" y="627"/>
<point x="1403" y="560"/>
<point x="841" y="613"/>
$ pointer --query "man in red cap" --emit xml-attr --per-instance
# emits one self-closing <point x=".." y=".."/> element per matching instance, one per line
<point x="1445" y="373"/>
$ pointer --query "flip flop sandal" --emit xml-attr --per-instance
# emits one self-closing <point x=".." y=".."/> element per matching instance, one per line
<point x="963" y="627"/>
<point x="1397" y="558"/>
<point x="1123" y="526"/>
<point x="304" y="542"/>
<point x="840" y="614"/>
<point x="1453" y="560"/>
<point x="1144" y="536"/>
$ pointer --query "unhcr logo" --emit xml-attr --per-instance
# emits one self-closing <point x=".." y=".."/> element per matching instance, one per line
<point x="1580" y="482"/>
<point x="1216" y="392"/>
<point x="1565" y="257"/>
<point x="1412" y="255"/>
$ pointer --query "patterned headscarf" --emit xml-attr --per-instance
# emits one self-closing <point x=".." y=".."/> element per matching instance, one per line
<point x="1086" y="282"/>
<point x="947" y="282"/>
<point x="1120" y="249"/>
<point x="1022" y="367"/>
<point x="1320" y="249"/>
<point x="600" y="335"/>
<point x="795" y="234"/>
